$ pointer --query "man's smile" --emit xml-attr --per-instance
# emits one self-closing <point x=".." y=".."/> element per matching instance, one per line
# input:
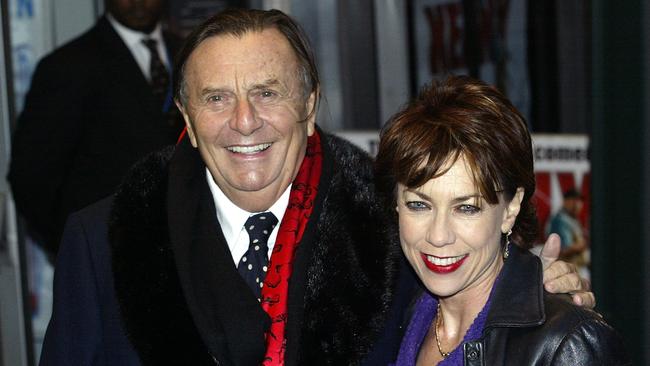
<point x="253" y="149"/>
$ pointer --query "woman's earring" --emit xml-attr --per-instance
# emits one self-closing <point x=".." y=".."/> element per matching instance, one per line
<point x="506" y="251"/>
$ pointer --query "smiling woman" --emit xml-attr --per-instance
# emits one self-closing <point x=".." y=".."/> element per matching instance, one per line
<point x="459" y="161"/>
<point x="451" y="235"/>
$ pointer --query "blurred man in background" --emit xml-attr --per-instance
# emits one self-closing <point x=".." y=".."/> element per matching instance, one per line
<point x="566" y="223"/>
<point x="95" y="106"/>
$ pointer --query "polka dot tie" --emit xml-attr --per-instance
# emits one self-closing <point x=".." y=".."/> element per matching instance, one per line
<point x="253" y="264"/>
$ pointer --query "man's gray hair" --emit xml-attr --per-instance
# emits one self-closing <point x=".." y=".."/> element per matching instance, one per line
<point x="238" y="22"/>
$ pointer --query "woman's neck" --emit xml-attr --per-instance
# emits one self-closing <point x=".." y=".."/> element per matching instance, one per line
<point x="459" y="310"/>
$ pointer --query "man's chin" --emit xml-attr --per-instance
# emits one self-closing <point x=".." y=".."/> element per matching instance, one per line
<point x="141" y="25"/>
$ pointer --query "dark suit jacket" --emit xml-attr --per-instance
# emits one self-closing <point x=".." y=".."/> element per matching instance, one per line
<point x="85" y="328"/>
<point x="164" y="263"/>
<point x="89" y="115"/>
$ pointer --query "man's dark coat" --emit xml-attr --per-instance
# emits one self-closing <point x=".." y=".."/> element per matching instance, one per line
<point x="174" y="297"/>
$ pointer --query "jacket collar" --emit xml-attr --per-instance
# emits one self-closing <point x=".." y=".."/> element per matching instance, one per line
<point x="165" y="265"/>
<point x="517" y="300"/>
<point x="217" y="297"/>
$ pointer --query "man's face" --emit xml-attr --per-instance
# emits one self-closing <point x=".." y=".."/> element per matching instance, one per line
<point x="245" y="112"/>
<point x="573" y="206"/>
<point x="139" y="15"/>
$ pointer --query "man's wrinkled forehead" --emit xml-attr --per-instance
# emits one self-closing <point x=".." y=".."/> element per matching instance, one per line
<point x="269" y="38"/>
<point x="256" y="57"/>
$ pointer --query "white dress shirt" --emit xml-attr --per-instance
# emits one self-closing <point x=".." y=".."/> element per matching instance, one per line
<point x="232" y="219"/>
<point x="133" y="40"/>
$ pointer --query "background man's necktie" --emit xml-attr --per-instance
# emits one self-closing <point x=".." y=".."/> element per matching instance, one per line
<point x="253" y="264"/>
<point x="157" y="71"/>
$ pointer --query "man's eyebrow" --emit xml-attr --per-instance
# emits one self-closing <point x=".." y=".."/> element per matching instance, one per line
<point x="265" y="84"/>
<point x="208" y="90"/>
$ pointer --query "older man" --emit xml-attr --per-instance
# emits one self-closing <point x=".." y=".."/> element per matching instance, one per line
<point x="175" y="268"/>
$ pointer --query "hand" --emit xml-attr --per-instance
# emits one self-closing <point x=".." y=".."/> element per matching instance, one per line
<point x="562" y="277"/>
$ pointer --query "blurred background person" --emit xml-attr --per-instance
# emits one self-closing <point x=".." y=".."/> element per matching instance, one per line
<point x="96" y="105"/>
<point x="566" y="224"/>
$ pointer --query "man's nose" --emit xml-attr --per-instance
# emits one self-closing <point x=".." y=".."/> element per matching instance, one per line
<point x="244" y="119"/>
<point x="439" y="231"/>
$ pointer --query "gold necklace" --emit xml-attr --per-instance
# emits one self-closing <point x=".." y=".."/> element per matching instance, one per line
<point x="438" y="321"/>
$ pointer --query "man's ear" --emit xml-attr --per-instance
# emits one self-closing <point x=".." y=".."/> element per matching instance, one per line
<point x="311" y="107"/>
<point x="511" y="210"/>
<point x="188" y="122"/>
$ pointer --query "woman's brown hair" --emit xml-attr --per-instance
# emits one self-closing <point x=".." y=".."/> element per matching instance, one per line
<point x="462" y="116"/>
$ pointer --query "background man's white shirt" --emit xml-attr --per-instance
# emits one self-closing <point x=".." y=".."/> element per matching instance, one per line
<point x="133" y="40"/>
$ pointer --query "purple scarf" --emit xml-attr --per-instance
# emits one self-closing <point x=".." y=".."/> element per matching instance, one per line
<point x="424" y="313"/>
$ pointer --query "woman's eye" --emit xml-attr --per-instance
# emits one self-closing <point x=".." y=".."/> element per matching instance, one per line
<point x="267" y="94"/>
<point x="416" y="205"/>
<point x="468" y="210"/>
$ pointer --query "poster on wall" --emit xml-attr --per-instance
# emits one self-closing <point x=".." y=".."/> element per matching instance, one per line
<point x="439" y="34"/>
<point x="31" y="38"/>
<point x="29" y="21"/>
<point x="562" y="198"/>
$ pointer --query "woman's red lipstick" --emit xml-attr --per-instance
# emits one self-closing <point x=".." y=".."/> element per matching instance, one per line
<point x="443" y="269"/>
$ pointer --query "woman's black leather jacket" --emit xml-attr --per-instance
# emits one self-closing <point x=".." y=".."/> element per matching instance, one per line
<point x="528" y="326"/>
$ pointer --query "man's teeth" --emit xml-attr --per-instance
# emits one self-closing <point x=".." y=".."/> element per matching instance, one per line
<point x="444" y="261"/>
<point x="248" y="149"/>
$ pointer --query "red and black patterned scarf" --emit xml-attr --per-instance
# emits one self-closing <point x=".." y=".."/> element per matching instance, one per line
<point x="276" y="285"/>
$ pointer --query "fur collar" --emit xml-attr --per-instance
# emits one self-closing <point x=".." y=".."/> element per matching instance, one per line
<point x="346" y="277"/>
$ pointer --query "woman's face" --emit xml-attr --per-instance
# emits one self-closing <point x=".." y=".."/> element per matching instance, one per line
<point x="450" y="234"/>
